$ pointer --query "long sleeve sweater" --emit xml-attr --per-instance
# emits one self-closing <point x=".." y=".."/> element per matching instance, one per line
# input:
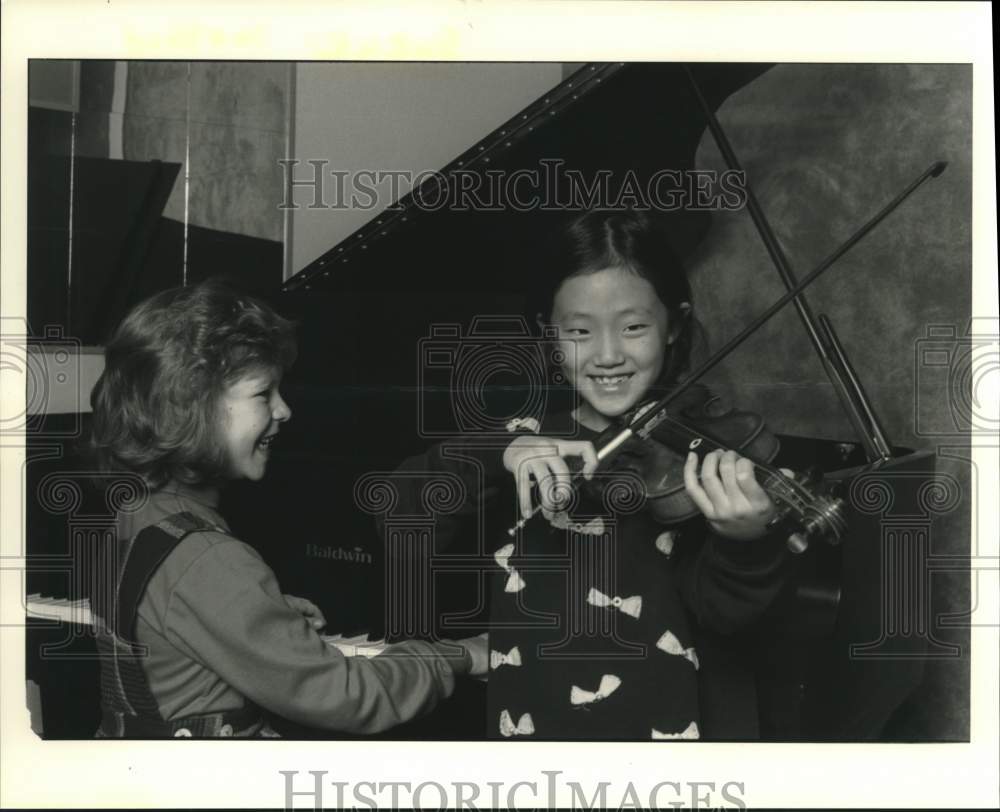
<point x="591" y="613"/>
<point x="219" y="632"/>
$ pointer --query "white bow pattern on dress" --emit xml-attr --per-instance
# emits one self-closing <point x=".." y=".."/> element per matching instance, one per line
<point x="512" y="657"/>
<point x="515" y="583"/>
<point x="609" y="684"/>
<point x="527" y="423"/>
<point x="669" y="643"/>
<point x="560" y="520"/>
<point x="524" y="727"/>
<point x="690" y="732"/>
<point x="630" y="606"/>
<point x="665" y="542"/>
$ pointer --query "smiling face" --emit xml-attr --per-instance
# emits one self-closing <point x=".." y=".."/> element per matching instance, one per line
<point x="613" y="333"/>
<point x="251" y="411"/>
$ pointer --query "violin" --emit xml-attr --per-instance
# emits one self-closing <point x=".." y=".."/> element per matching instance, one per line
<point x="655" y="464"/>
<point x="649" y="448"/>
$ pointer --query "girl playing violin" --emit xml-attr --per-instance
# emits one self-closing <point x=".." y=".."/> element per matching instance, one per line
<point x="196" y="636"/>
<point x="591" y="634"/>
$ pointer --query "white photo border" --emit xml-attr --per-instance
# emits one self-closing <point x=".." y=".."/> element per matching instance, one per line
<point x="211" y="774"/>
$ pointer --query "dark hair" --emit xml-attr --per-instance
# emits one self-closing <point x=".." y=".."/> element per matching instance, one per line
<point x="155" y="405"/>
<point x="632" y="241"/>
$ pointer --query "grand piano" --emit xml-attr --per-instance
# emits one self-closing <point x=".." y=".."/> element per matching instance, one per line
<point x="840" y="655"/>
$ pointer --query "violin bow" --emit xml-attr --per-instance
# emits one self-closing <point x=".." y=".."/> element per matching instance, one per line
<point x="651" y="417"/>
<point x="848" y="386"/>
<point x="643" y="425"/>
<point x="831" y="352"/>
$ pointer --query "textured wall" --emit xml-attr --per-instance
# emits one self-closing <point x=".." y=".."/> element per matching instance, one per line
<point x="230" y="120"/>
<point x="825" y="147"/>
<point x="377" y="116"/>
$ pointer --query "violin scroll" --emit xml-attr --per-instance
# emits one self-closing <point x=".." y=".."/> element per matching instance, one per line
<point x="808" y="510"/>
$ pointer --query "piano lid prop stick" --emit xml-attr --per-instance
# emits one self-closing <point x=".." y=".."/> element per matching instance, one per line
<point x="934" y="171"/>
<point x="845" y="382"/>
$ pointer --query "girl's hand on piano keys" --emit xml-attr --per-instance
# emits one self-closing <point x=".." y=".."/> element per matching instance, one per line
<point x="309" y="610"/>
<point x="478" y="649"/>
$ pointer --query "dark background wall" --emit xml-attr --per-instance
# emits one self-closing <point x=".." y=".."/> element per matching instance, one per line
<point x="824" y="148"/>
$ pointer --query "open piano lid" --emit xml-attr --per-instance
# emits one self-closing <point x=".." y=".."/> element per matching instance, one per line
<point x="608" y="118"/>
<point x="367" y="302"/>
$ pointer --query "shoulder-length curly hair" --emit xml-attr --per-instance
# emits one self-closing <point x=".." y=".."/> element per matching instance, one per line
<point x="155" y="407"/>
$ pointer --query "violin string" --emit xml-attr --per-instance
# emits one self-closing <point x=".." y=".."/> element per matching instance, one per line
<point x="811" y="512"/>
<point x="793" y="492"/>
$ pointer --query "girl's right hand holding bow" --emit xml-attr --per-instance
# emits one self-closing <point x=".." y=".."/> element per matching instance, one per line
<point x="533" y="459"/>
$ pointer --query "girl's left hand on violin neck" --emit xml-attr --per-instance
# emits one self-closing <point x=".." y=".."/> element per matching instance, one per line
<point x="728" y="494"/>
